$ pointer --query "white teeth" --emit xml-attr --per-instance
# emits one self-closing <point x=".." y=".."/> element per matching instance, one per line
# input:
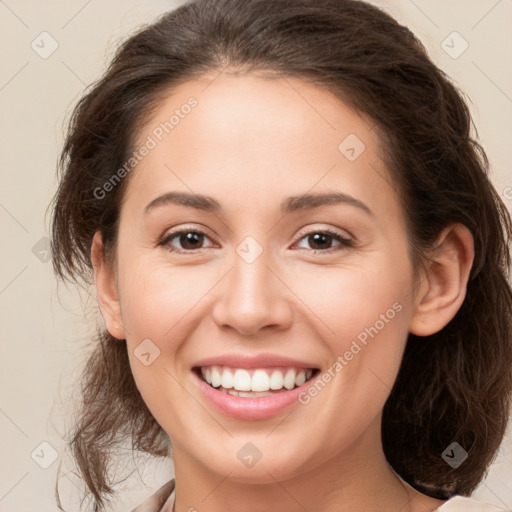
<point x="289" y="379"/>
<point x="216" y="377"/>
<point x="257" y="382"/>
<point x="227" y="380"/>
<point x="260" y="381"/>
<point x="242" y="381"/>
<point x="301" y="378"/>
<point x="276" y="380"/>
<point x="207" y="375"/>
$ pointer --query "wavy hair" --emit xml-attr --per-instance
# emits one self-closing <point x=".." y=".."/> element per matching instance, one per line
<point x="452" y="386"/>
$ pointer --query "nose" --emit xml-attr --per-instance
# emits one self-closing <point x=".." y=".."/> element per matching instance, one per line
<point x="251" y="297"/>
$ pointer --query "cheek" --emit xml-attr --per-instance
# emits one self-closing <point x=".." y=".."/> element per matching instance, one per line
<point x="161" y="307"/>
<point x="157" y="298"/>
<point x="156" y="306"/>
<point x="365" y="312"/>
<point x="356" y="299"/>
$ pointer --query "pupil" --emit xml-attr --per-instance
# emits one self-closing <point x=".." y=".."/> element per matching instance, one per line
<point x="191" y="239"/>
<point x="320" y="239"/>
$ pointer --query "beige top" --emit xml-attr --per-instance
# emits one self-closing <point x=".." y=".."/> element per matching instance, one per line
<point x="165" y="496"/>
<point x="156" y="502"/>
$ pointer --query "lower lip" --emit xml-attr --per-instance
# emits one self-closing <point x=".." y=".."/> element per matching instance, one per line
<point x="251" y="408"/>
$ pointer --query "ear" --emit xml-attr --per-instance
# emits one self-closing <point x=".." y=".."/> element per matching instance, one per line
<point x="106" y="291"/>
<point x="443" y="286"/>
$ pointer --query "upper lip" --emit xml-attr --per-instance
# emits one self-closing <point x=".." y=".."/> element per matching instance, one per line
<point x="254" y="361"/>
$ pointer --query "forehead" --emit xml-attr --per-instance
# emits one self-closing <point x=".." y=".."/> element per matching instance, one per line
<point x="229" y="106"/>
<point x="249" y="134"/>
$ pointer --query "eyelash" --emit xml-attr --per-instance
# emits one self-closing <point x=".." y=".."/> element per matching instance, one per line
<point x="343" y="241"/>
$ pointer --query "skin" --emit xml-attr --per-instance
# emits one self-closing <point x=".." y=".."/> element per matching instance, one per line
<point x="296" y="299"/>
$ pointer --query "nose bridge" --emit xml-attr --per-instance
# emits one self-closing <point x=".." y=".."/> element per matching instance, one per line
<point x="251" y="297"/>
<point x="250" y="281"/>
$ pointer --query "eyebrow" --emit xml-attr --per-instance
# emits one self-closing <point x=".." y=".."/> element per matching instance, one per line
<point x="289" y="205"/>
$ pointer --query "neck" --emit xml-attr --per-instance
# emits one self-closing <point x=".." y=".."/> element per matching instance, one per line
<point x="359" y="478"/>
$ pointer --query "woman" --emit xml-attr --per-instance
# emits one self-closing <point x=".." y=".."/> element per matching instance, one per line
<point x="299" y="259"/>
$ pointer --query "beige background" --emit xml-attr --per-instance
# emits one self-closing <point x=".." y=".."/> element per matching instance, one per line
<point x="44" y="335"/>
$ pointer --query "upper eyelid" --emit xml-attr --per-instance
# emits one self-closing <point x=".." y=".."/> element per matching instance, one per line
<point x="338" y="231"/>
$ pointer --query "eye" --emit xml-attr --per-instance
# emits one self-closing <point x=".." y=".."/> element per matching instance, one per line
<point x="322" y="240"/>
<point x="188" y="240"/>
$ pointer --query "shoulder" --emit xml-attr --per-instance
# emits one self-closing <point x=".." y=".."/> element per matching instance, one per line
<point x="157" y="500"/>
<point x="463" y="504"/>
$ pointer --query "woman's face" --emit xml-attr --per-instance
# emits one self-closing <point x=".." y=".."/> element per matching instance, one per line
<point x="262" y="241"/>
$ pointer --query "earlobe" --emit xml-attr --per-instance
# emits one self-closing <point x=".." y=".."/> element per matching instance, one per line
<point x="104" y="278"/>
<point x="443" y="286"/>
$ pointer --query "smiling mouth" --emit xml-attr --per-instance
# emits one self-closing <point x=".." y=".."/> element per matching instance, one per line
<point x="254" y="382"/>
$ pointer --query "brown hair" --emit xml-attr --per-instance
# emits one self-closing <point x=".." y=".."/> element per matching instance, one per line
<point x="452" y="386"/>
